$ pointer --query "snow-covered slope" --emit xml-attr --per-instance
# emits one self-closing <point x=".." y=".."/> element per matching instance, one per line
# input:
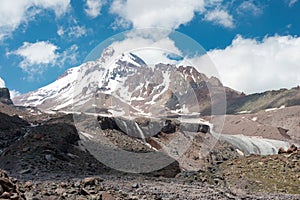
<point x="124" y="85"/>
<point x="77" y="85"/>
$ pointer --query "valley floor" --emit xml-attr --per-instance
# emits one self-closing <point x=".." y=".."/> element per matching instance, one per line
<point x="108" y="187"/>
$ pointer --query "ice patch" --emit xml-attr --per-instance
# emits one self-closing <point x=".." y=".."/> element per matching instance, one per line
<point x="254" y="119"/>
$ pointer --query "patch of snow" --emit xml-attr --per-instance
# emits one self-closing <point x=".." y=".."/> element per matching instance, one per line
<point x="87" y="135"/>
<point x="281" y="107"/>
<point x="116" y="113"/>
<point x="271" y="109"/>
<point x="50" y="112"/>
<point x="151" y="147"/>
<point x="129" y="59"/>
<point x="137" y="99"/>
<point x="244" y="112"/>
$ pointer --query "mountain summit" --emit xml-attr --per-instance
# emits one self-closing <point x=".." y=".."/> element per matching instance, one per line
<point x="125" y="84"/>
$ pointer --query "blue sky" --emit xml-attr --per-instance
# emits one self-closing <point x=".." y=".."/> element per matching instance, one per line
<point x="255" y="45"/>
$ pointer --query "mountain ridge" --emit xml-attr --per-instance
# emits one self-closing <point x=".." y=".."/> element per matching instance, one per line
<point x="129" y="83"/>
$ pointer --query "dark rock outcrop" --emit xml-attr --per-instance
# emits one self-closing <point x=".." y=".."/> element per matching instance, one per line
<point x="11" y="129"/>
<point x="293" y="148"/>
<point x="5" y="96"/>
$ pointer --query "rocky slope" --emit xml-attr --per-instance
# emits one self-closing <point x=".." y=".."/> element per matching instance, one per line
<point x="277" y="173"/>
<point x="278" y="124"/>
<point x="267" y="100"/>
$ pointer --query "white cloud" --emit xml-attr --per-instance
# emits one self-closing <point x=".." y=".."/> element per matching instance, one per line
<point x="73" y="31"/>
<point x="248" y="7"/>
<point x="252" y="66"/>
<point x="60" y="31"/>
<point x="145" y="44"/>
<point x="292" y="3"/>
<point x="36" y="55"/>
<point x="2" y="83"/>
<point x="156" y="13"/>
<point x="169" y="14"/>
<point x="151" y="51"/>
<point x="13" y="13"/>
<point x="220" y="17"/>
<point x="93" y="8"/>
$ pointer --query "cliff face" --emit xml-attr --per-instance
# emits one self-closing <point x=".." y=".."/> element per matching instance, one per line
<point x="5" y="96"/>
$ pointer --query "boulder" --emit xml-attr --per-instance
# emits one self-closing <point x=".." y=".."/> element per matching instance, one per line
<point x="292" y="149"/>
<point x="281" y="150"/>
<point x="8" y="187"/>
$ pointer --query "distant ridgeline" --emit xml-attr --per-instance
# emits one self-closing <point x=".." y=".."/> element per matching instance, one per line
<point x="261" y="101"/>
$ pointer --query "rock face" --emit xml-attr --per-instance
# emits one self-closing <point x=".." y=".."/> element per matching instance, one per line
<point x="11" y="129"/>
<point x="5" y="96"/>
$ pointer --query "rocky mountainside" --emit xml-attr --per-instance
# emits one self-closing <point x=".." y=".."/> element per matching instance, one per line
<point x="264" y="101"/>
<point x="279" y="124"/>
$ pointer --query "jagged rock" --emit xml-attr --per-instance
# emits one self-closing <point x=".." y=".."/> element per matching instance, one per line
<point x="5" y="96"/>
<point x="170" y="126"/>
<point x="5" y="195"/>
<point x="194" y="127"/>
<point x="107" y="123"/>
<point x="91" y="181"/>
<point x="8" y="187"/>
<point x="292" y="149"/>
<point x="281" y="150"/>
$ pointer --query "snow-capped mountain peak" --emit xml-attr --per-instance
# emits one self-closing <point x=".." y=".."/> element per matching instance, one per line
<point x="124" y="85"/>
<point x="80" y="81"/>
